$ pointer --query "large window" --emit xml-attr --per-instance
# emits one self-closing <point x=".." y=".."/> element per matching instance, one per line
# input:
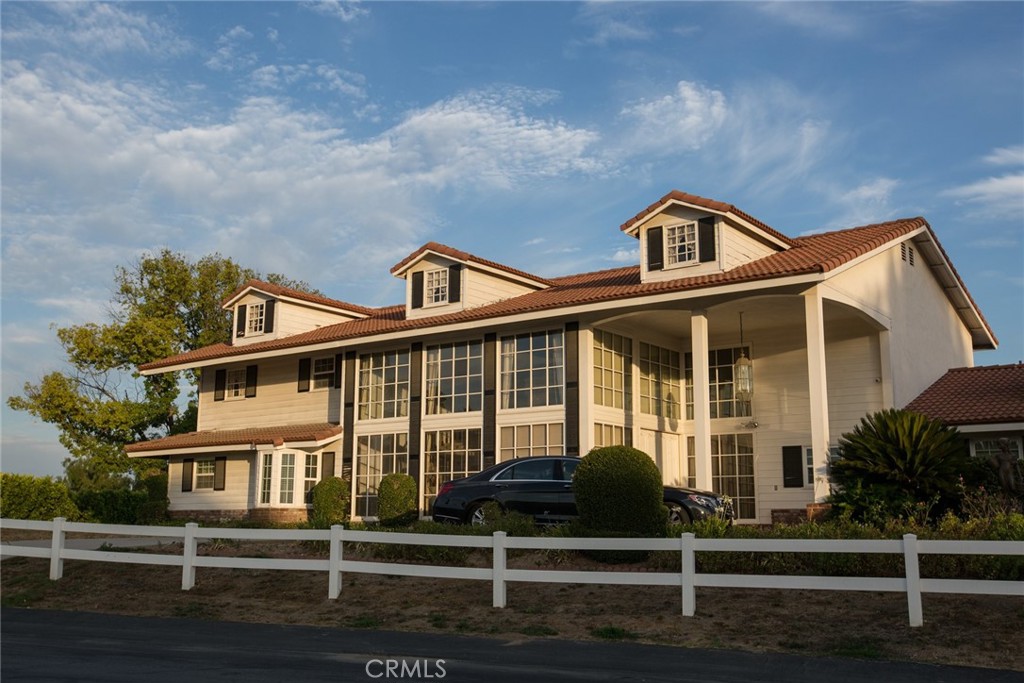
<point x="384" y="385"/>
<point x="721" y="389"/>
<point x="287" y="496"/>
<point x="659" y="381"/>
<point x="613" y="370"/>
<point x="436" y="290"/>
<point x="449" y="454"/>
<point x="311" y="478"/>
<point x="732" y="471"/>
<point x="612" y="435"/>
<point x="266" y="478"/>
<point x="538" y="439"/>
<point x="532" y="370"/>
<point x="455" y="378"/>
<point x="256" y="315"/>
<point x="204" y="474"/>
<point x="681" y="243"/>
<point x="377" y="455"/>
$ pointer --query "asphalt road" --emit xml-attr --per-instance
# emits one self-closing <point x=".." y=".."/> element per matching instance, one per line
<point x="43" y="645"/>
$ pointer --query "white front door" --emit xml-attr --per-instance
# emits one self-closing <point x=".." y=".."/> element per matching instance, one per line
<point x="663" y="447"/>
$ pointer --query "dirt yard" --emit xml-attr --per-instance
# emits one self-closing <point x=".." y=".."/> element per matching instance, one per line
<point x="963" y="630"/>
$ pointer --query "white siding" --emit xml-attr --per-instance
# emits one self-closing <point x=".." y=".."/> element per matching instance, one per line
<point x="483" y="288"/>
<point x="235" y="496"/>
<point x="739" y="247"/>
<point x="289" y="318"/>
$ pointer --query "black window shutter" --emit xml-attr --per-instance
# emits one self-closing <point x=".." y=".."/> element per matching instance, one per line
<point x="706" y="239"/>
<point x="327" y="465"/>
<point x="220" y="382"/>
<point x="792" y="467"/>
<point x="250" y="381"/>
<point x="268" y="316"/>
<point x="417" y="290"/>
<point x="305" y="364"/>
<point x="186" y="474"/>
<point x="454" y="283"/>
<point x="655" y="250"/>
<point x="220" y="466"/>
<point x="338" y="359"/>
<point x="240" y="321"/>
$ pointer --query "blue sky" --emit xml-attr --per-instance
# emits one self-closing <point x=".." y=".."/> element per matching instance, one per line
<point x="328" y="140"/>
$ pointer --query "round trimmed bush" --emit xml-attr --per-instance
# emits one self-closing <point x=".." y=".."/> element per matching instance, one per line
<point x="396" y="500"/>
<point x="331" y="497"/>
<point x="619" y="491"/>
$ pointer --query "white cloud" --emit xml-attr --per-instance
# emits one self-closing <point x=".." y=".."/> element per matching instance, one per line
<point x="828" y="20"/>
<point x="999" y="197"/>
<point x="630" y="256"/>
<point x="231" y="54"/>
<point x="684" y="119"/>
<point x="611" y="23"/>
<point x="1006" y="156"/>
<point x="343" y="11"/>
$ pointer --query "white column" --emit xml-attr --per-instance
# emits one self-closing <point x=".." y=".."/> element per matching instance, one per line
<point x="817" y="389"/>
<point x="701" y="398"/>
<point x="585" y="354"/>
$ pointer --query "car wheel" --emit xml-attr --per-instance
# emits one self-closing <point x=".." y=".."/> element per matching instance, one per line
<point x="678" y="514"/>
<point x="476" y="515"/>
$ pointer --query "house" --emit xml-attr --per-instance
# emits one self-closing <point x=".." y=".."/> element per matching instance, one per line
<point x="733" y="354"/>
<point x="985" y="404"/>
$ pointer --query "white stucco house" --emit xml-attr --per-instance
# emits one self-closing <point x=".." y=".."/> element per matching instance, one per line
<point x="483" y="361"/>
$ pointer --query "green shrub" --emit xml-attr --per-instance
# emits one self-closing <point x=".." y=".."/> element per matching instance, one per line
<point x="397" y="500"/>
<point x="111" y="506"/>
<point x="331" y="498"/>
<point x="618" y="490"/>
<point x="23" y="496"/>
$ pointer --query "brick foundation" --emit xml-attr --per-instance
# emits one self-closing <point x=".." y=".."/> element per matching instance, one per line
<point x="789" y="516"/>
<point x="262" y="515"/>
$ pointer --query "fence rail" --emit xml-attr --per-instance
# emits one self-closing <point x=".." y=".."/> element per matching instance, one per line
<point x="687" y="579"/>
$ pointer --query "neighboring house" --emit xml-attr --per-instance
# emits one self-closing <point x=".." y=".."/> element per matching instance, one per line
<point x="484" y="362"/>
<point x="986" y="404"/>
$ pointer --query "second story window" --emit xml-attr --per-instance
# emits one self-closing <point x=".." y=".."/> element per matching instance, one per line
<point x="454" y="378"/>
<point x="235" y="383"/>
<point x="436" y="287"/>
<point x="323" y="373"/>
<point x="384" y="385"/>
<point x="680" y="243"/>
<point x="256" y="317"/>
<point x="532" y="370"/>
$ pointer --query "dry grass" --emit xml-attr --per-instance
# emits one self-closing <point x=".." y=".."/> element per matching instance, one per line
<point x="962" y="630"/>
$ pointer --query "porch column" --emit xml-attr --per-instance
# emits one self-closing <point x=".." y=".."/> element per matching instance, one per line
<point x="817" y="390"/>
<point x="701" y="398"/>
<point x="885" y="351"/>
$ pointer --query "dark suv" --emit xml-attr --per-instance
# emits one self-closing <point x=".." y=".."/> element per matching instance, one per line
<point x="541" y="486"/>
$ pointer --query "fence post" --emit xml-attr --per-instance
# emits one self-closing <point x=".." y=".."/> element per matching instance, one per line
<point x="499" y="569"/>
<point x="57" y="549"/>
<point x="913" y="574"/>
<point x="188" y="557"/>
<point x="689" y="571"/>
<point x="334" y="567"/>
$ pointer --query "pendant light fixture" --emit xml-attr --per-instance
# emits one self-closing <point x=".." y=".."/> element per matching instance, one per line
<point x="743" y="371"/>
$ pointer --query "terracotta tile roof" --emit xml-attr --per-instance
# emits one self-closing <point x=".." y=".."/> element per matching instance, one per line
<point x="278" y="290"/>
<point x="809" y="254"/>
<point x="464" y="256"/>
<point x="989" y="394"/>
<point x="710" y="204"/>
<point x="242" y="438"/>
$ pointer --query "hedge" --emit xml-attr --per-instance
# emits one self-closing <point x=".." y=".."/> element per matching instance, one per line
<point x="23" y="496"/>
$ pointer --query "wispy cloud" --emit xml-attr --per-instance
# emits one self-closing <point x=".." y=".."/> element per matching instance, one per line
<point x="681" y="120"/>
<point x="608" y="23"/>
<point x="1006" y="156"/>
<point x="828" y="20"/>
<point x="343" y="11"/>
<point x="1001" y="196"/>
<point x="231" y="52"/>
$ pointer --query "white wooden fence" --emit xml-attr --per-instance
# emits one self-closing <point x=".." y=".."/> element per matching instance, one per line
<point x="500" y="575"/>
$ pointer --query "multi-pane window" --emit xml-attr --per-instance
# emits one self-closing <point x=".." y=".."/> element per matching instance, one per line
<point x="436" y="290"/>
<point x="455" y="380"/>
<point x="809" y="464"/>
<point x="287" y="478"/>
<point x="235" y="384"/>
<point x="323" y="372"/>
<point x="449" y="454"/>
<point x="255" y="318"/>
<point x="204" y="474"/>
<point x="310" y="479"/>
<point x="681" y="243"/>
<point x="993" y="448"/>
<point x="691" y="462"/>
<point x="538" y="439"/>
<point x="613" y="370"/>
<point x="721" y="389"/>
<point x="659" y="381"/>
<point x="384" y="385"/>
<point x="612" y="435"/>
<point x="732" y="471"/>
<point x="532" y="370"/>
<point x="266" y="478"/>
<point x="376" y="456"/>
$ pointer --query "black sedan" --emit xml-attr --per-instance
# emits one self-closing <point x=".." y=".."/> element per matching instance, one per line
<point x="541" y="486"/>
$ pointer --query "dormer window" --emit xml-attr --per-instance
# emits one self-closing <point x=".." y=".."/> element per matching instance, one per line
<point x="436" y="287"/>
<point x="254" y="324"/>
<point x="681" y="243"/>
<point x="254" y="319"/>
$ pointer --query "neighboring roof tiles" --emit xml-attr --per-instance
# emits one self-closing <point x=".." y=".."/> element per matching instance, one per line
<point x="242" y="438"/>
<point x="464" y="257"/>
<point x="278" y="290"/>
<point x="991" y="394"/>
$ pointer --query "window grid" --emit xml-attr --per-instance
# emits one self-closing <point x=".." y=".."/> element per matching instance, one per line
<point x="266" y="478"/>
<point x="377" y="455"/>
<point x="310" y="479"/>
<point x="720" y="384"/>
<point x="204" y="474"/>
<point x="287" y="478"/>
<point x="681" y="243"/>
<point x="532" y="370"/>
<point x="449" y="454"/>
<point x="732" y="471"/>
<point x="691" y="462"/>
<point x="235" y="385"/>
<point x="436" y="286"/>
<point x="659" y="381"/>
<point x="809" y="464"/>
<point x="538" y="439"/>
<point x="613" y="370"/>
<point x="323" y="373"/>
<point x="384" y="385"/>
<point x="612" y="435"/>
<point x="255" y="318"/>
<point x="455" y="379"/>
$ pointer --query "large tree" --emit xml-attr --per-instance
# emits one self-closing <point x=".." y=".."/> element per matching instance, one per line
<point x="163" y="304"/>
